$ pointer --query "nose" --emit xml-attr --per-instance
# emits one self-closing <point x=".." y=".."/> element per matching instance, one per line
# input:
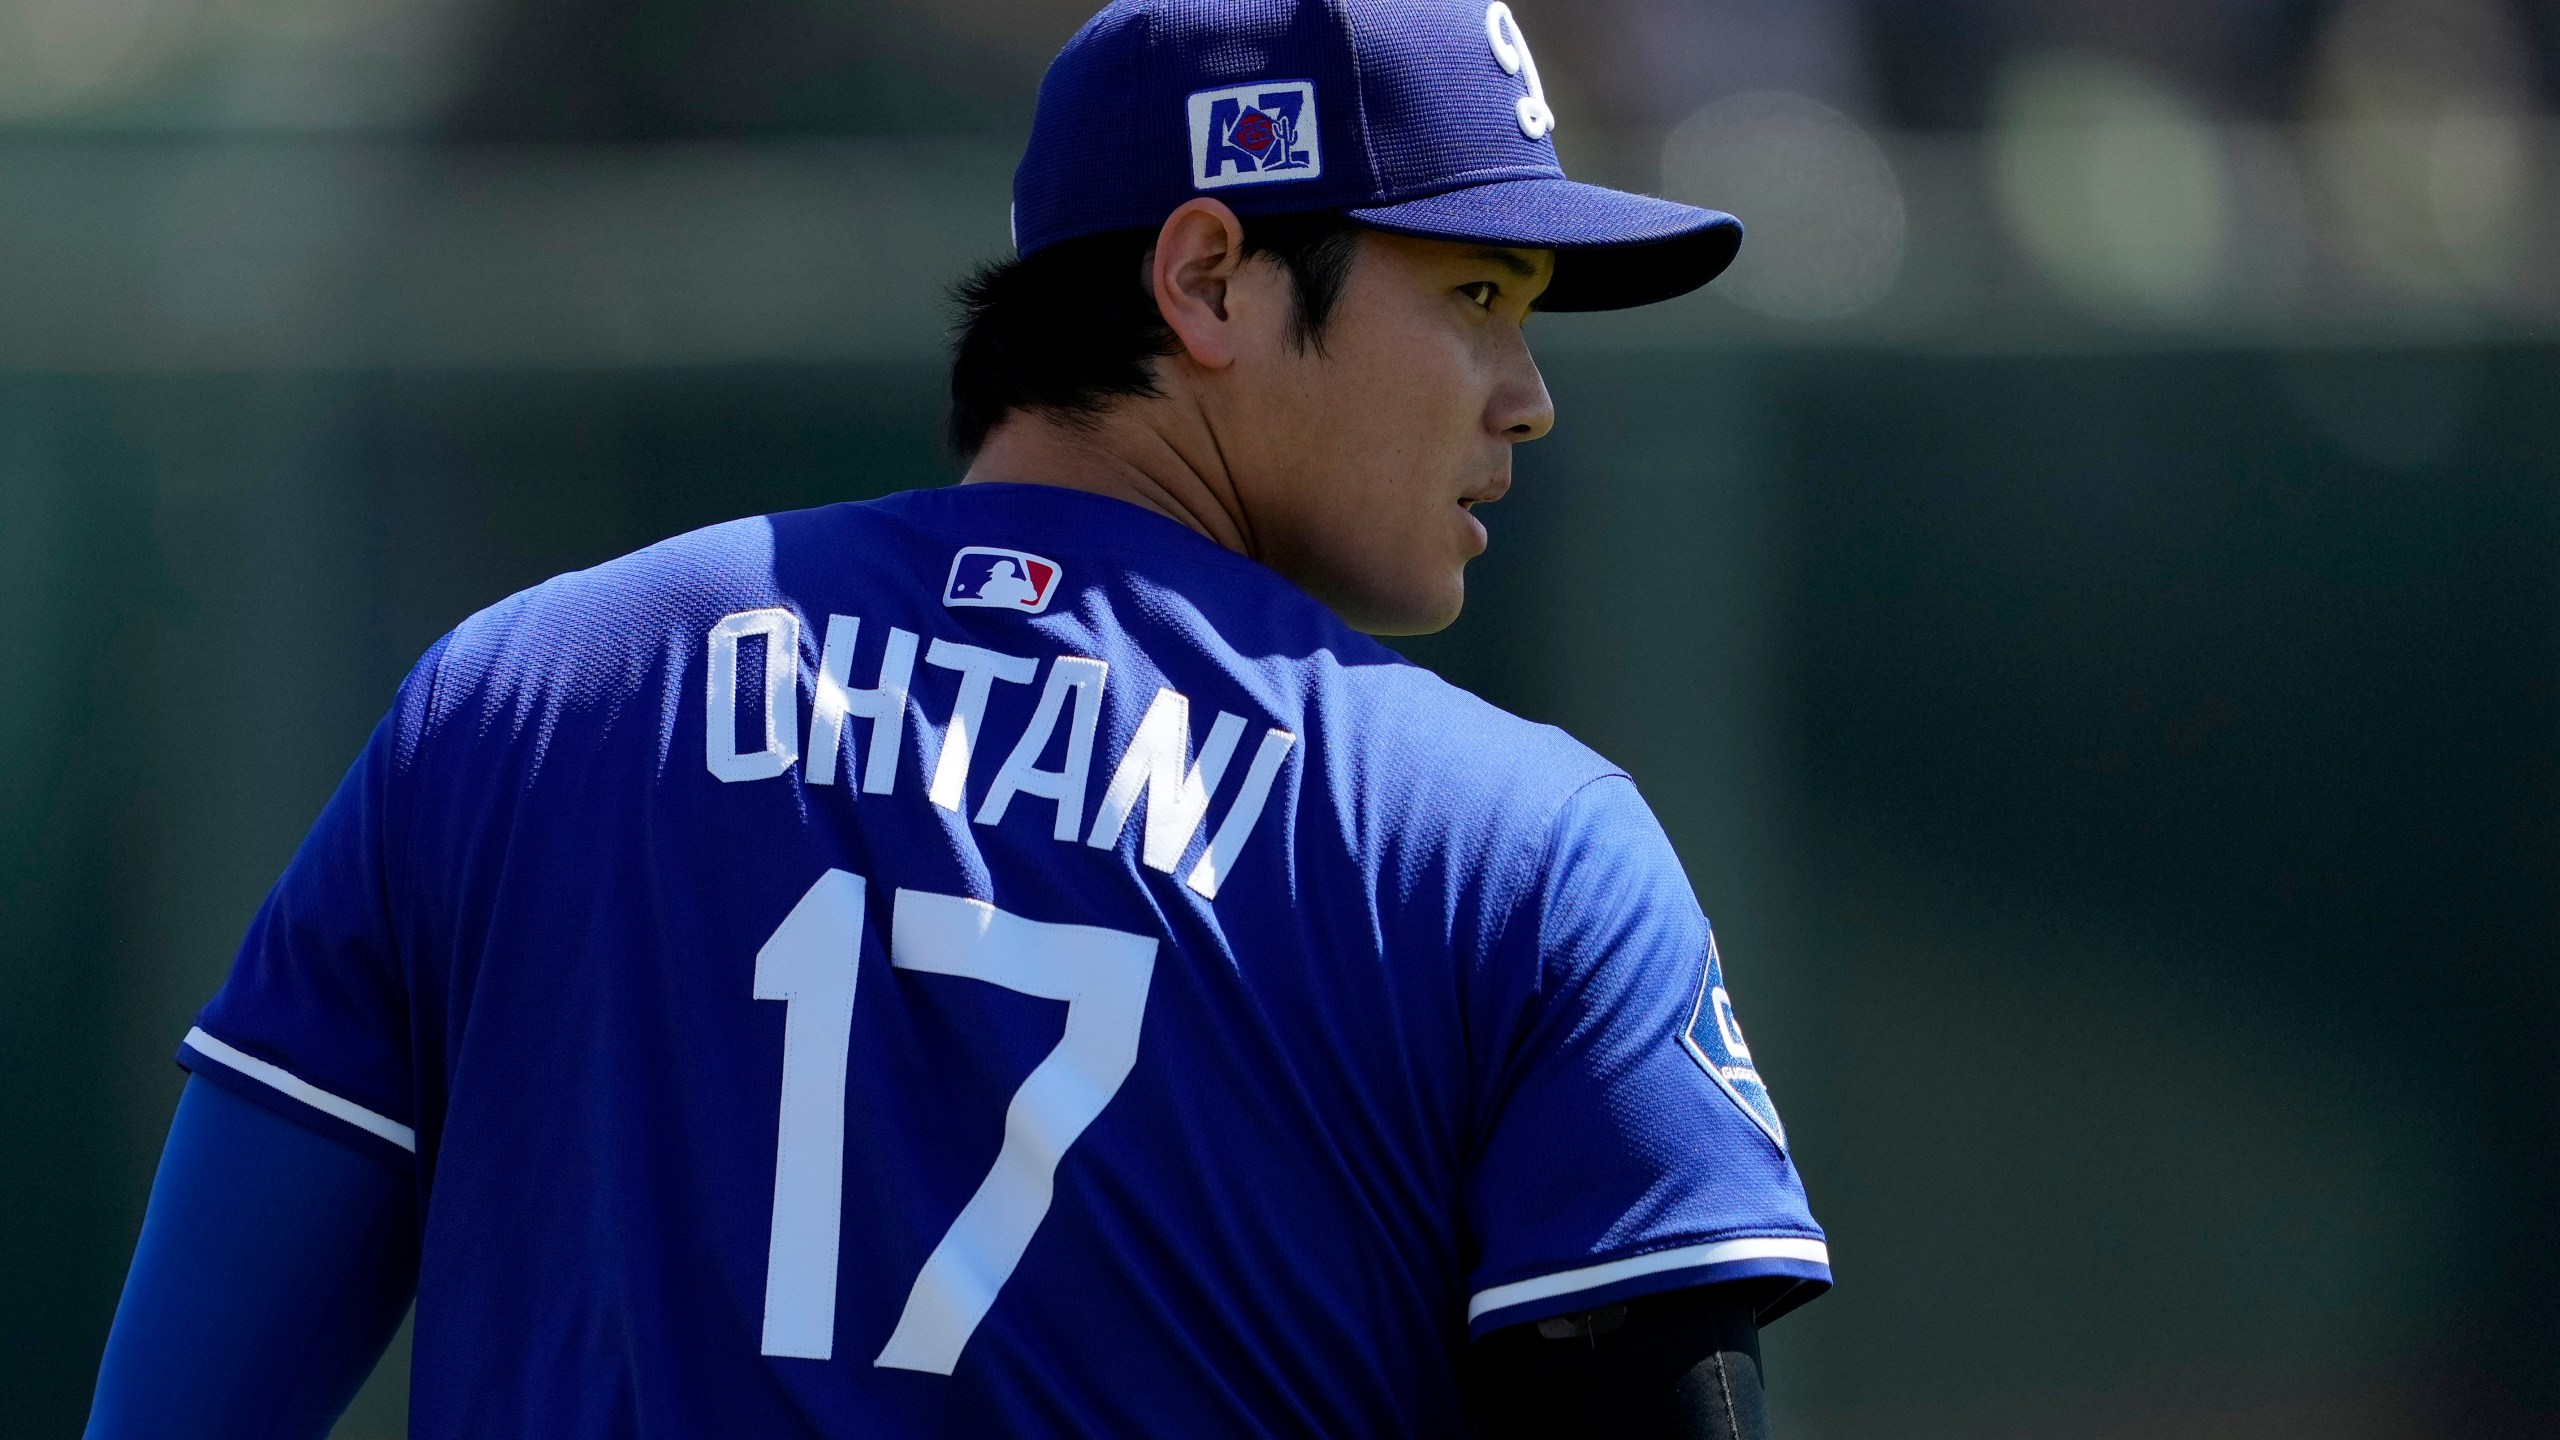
<point x="1521" y="410"/>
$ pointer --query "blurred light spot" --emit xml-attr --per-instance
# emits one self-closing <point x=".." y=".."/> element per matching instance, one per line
<point x="2477" y="171"/>
<point x="315" y="19"/>
<point x="58" y="54"/>
<point x="2421" y="144"/>
<point x="338" y="64"/>
<point x="2396" y="411"/>
<point x="2115" y="184"/>
<point x="235" y="64"/>
<point x="2273" y="246"/>
<point x="1823" y="209"/>
<point x="2384" y="58"/>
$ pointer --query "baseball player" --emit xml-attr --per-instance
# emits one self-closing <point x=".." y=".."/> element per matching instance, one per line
<point x="1017" y="959"/>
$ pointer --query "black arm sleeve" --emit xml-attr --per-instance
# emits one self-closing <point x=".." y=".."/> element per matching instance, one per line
<point x="1678" y="1366"/>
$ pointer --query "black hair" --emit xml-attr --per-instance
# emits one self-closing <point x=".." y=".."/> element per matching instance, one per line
<point x="1069" y="330"/>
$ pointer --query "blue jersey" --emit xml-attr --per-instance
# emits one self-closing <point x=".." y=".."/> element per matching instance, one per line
<point x="992" y="962"/>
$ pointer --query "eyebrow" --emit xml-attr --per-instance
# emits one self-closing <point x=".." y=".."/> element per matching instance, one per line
<point x="1511" y="260"/>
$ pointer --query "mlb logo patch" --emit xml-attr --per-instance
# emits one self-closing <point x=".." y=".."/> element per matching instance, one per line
<point x="1255" y="134"/>
<point x="982" y="575"/>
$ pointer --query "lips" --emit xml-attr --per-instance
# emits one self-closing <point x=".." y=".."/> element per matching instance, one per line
<point x="1478" y="537"/>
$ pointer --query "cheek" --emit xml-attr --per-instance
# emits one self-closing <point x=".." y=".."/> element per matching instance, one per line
<point x="1379" y="436"/>
<point x="1406" y="399"/>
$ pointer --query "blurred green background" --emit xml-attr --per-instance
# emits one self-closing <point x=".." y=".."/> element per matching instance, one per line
<point x="2081" y="593"/>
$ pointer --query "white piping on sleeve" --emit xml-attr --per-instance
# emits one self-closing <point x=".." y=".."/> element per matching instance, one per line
<point x="1687" y="1257"/>
<point x="303" y="1090"/>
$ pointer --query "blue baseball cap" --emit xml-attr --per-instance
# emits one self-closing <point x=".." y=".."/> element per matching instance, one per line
<point x="1419" y="117"/>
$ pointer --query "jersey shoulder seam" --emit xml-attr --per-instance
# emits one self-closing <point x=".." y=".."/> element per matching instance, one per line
<point x="1539" y="876"/>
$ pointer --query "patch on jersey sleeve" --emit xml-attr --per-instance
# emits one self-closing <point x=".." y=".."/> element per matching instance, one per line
<point x="1714" y="1040"/>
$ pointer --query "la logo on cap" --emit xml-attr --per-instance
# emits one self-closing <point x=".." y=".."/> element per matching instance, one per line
<point x="983" y="576"/>
<point x="1254" y="134"/>
<point x="1511" y="52"/>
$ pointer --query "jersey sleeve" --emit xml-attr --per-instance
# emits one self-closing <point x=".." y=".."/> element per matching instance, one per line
<point x="315" y="1019"/>
<point x="1629" y="1146"/>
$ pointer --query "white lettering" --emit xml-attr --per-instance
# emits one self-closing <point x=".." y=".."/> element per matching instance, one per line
<point x="781" y="632"/>
<point x="979" y="670"/>
<point x="884" y="705"/>
<point x="1022" y="774"/>
<point x="1511" y="52"/>
<point x="1220" y="856"/>
<point x="1177" y="792"/>
<point x="1729" y="1026"/>
<point x="1156" y="770"/>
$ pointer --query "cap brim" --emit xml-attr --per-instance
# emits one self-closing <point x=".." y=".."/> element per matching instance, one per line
<point x="1613" y="249"/>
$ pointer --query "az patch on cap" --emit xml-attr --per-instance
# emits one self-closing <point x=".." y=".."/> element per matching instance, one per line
<point x="1254" y="134"/>
<point x="1714" y="1039"/>
<point x="984" y="576"/>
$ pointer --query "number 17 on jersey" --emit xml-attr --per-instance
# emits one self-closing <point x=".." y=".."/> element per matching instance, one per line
<point x="811" y="964"/>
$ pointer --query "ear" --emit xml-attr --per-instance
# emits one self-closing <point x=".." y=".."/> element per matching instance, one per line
<point x="1197" y="254"/>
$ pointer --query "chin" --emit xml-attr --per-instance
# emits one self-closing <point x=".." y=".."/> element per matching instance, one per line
<point x="1407" y="614"/>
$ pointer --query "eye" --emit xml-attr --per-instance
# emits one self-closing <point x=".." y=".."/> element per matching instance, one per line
<point x="1481" y="293"/>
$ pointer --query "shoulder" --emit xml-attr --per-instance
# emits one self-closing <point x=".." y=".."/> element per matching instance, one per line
<point x="614" y="619"/>
<point x="599" y="647"/>
<point x="1450" y="805"/>
<point x="1451" y="748"/>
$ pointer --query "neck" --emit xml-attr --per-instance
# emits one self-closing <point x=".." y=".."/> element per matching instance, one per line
<point x="1129" y="453"/>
